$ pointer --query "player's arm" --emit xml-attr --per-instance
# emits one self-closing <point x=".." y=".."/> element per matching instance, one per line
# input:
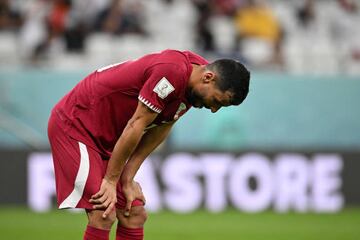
<point x="124" y="147"/>
<point x="151" y="139"/>
<point x="149" y="142"/>
<point x="128" y="141"/>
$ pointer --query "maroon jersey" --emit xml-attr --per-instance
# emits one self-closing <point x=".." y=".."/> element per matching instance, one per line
<point x="97" y="110"/>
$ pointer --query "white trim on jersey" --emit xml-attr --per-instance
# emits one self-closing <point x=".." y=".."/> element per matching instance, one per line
<point x="73" y="199"/>
<point x="148" y="104"/>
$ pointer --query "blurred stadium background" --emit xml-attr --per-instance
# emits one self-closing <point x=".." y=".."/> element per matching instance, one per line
<point x="284" y="165"/>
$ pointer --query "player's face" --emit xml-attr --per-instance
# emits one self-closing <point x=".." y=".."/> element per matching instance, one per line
<point x="208" y="95"/>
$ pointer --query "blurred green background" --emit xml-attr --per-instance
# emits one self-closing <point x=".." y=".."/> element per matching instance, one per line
<point x="19" y="223"/>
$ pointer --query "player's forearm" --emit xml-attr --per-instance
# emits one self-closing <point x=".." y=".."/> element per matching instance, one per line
<point x="124" y="147"/>
<point x="149" y="142"/>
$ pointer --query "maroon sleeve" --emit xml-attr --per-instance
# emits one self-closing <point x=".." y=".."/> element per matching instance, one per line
<point x="165" y="82"/>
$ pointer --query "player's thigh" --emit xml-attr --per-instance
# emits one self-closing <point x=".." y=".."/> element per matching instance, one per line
<point x="78" y="169"/>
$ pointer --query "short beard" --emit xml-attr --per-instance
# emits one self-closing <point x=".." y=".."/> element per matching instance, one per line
<point x="194" y="98"/>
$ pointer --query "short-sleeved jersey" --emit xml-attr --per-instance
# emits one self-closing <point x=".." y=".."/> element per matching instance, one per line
<point x="98" y="108"/>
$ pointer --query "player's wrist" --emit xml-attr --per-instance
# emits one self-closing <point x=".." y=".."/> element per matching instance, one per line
<point x="111" y="179"/>
<point x="126" y="180"/>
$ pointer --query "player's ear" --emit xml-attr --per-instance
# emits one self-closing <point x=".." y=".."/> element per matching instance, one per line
<point x="208" y="76"/>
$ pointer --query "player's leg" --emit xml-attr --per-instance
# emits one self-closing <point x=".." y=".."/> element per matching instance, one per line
<point x="131" y="227"/>
<point x="98" y="228"/>
<point x="78" y="174"/>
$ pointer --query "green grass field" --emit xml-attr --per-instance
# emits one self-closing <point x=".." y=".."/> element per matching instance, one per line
<point x="18" y="224"/>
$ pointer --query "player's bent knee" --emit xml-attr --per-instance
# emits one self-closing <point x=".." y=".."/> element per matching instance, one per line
<point x="137" y="218"/>
<point x="96" y="220"/>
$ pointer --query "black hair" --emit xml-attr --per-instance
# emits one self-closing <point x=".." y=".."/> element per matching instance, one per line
<point x="232" y="76"/>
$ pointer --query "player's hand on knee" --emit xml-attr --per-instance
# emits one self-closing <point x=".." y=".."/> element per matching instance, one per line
<point x="105" y="198"/>
<point x="131" y="192"/>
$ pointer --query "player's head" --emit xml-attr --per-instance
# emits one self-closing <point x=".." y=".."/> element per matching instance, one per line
<point x="222" y="83"/>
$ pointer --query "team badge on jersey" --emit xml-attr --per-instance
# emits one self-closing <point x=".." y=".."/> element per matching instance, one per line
<point x="163" y="88"/>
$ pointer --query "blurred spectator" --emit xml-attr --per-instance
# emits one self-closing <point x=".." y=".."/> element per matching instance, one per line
<point x="256" y="23"/>
<point x="306" y="41"/>
<point x="80" y="22"/>
<point x="309" y="22"/>
<point x="86" y="12"/>
<point x="56" y="25"/>
<point x="10" y="18"/>
<point x="33" y="32"/>
<point x="225" y="7"/>
<point x="206" y="11"/>
<point x="57" y="17"/>
<point x="204" y="37"/>
<point x="122" y="16"/>
<point x="75" y="36"/>
<point x="345" y="31"/>
<point x="306" y="14"/>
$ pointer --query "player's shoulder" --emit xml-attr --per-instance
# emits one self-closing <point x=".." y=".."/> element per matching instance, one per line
<point x="171" y="56"/>
<point x="178" y="60"/>
<point x="181" y="54"/>
<point x="195" y="58"/>
<point x="171" y="61"/>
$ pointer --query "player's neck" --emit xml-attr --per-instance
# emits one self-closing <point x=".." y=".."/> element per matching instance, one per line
<point x="195" y="76"/>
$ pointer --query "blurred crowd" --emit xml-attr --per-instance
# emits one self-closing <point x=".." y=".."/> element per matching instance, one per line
<point x="265" y="30"/>
<point x="40" y="23"/>
<point x="266" y="34"/>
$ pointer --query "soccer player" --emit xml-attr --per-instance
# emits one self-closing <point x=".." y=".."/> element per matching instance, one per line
<point x="104" y="128"/>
